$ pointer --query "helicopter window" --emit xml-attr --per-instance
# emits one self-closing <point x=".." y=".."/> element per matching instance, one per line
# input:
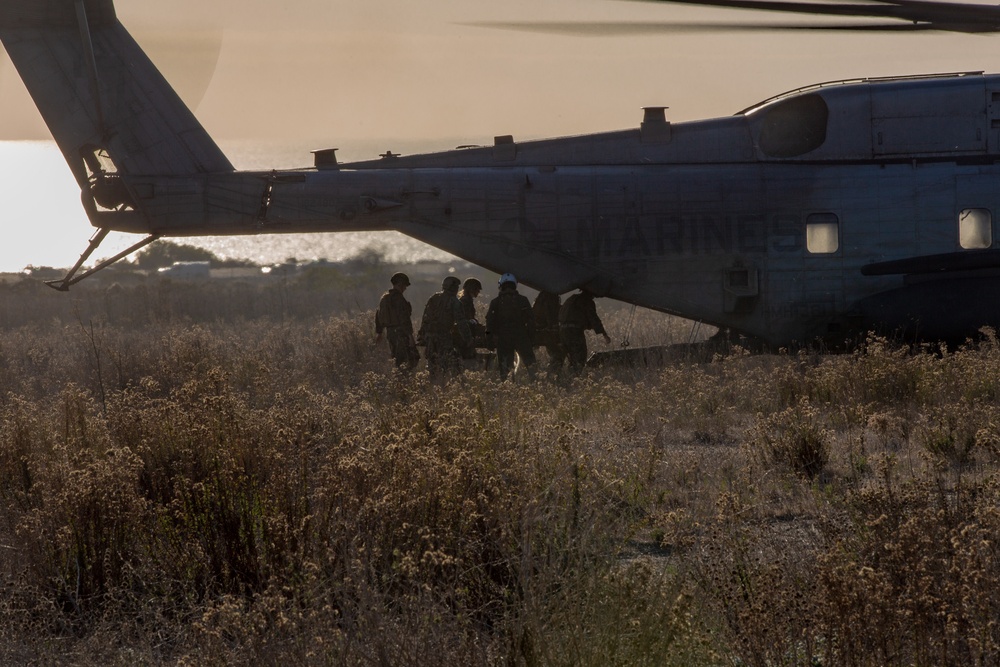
<point x="975" y="228"/>
<point x="794" y="126"/>
<point x="822" y="233"/>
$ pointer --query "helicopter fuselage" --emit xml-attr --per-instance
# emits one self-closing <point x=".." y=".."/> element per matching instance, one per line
<point x="763" y="222"/>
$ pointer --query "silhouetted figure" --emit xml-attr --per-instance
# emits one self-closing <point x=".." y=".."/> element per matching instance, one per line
<point x="393" y="320"/>
<point x="471" y="289"/>
<point x="511" y="323"/>
<point x="576" y="316"/>
<point x="444" y="330"/>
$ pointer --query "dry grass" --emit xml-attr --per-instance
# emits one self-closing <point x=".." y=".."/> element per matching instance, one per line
<point x="187" y="490"/>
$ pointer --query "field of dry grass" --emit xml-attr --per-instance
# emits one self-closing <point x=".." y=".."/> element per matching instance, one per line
<point x="206" y="483"/>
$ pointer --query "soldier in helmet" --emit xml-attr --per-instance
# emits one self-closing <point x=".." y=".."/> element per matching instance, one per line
<point x="444" y="329"/>
<point x="578" y="314"/>
<point x="393" y="320"/>
<point x="510" y="321"/>
<point x="471" y="288"/>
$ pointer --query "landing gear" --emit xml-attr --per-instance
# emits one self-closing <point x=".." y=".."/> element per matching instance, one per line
<point x="64" y="283"/>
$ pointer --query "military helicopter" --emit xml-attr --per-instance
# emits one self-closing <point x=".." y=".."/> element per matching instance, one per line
<point x="820" y="213"/>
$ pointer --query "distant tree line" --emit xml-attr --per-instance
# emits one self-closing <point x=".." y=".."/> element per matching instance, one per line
<point x="162" y="254"/>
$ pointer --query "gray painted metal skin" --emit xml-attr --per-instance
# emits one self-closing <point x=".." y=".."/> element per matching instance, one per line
<point x="711" y="220"/>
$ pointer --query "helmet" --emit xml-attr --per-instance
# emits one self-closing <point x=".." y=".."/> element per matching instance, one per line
<point x="507" y="278"/>
<point x="472" y="284"/>
<point x="451" y="284"/>
<point x="400" y="279"/>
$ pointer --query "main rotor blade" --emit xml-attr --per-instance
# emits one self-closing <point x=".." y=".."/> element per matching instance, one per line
<point x="625" y="28"/>
<point x="187" y="58"/>
<point x="957" y="17"/>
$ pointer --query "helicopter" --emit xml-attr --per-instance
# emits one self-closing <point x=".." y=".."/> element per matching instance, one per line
<point x="820" y="213"/>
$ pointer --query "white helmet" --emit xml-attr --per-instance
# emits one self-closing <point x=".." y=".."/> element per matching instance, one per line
<point x="507" y="278"/>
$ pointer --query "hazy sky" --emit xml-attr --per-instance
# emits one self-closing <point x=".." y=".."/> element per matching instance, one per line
<point x="330" y="71"/>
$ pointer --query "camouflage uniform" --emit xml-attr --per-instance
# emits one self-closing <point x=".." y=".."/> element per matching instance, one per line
<point x="546" y="312"/>
<point x="477" y="330"/>
<point x="445" y="331"/>
<point x="576" y="315"/>
<point x="510" y="321"/>
<point x="394" y="318"/>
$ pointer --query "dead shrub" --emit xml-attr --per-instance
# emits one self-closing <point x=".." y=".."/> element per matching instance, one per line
<point x="793" y="438"/>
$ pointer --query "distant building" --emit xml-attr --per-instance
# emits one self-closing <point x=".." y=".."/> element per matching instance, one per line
<point x="187" y="270"/>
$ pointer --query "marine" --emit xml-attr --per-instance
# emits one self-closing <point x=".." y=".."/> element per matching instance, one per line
<point x="471" y="289"/>
<point x="393" y="320"/>
<point x="577" y="315"/>
<point x="444" y="330"/>
<point x="511" y="324"/>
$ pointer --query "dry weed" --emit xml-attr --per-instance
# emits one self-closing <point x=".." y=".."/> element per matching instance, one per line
<point x="183" y="489"/>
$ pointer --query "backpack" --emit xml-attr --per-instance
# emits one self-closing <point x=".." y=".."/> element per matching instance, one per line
<point x="439" y="315"/>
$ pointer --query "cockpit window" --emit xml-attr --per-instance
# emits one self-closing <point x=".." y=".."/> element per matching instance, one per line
<point x="794" y="126"/>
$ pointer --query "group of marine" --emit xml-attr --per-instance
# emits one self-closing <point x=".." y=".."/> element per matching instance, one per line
<point x="450" y="330"/>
